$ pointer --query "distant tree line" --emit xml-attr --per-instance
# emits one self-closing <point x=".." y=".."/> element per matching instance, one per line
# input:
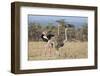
<point x="73" y="33"/>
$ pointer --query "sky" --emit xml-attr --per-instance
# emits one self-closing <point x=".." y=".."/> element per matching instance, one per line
<point x="43" y="19"/>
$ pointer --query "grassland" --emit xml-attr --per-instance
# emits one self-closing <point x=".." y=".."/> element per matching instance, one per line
<point x="70" y="50"/>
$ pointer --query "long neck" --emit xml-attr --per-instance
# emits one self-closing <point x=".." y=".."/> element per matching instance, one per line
<point x="66" y="33"/>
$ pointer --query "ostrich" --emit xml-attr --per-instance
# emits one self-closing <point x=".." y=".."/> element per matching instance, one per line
<point x="61" y="23"/>
<point x="55" y="40"/>
<point x="48" y="39"/>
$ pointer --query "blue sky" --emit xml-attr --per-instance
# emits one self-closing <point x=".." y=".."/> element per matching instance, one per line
<point x="43" y="19"/>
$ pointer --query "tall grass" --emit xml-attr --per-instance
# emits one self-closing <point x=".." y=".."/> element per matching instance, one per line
<point x="70" y="50"/>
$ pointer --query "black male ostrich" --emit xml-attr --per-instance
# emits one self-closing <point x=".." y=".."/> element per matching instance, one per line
<point x="52" y="40"/>
<point x="47" y="38"/>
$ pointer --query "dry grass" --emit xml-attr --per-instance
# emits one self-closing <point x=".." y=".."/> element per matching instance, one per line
<point x="71" y="50"/>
